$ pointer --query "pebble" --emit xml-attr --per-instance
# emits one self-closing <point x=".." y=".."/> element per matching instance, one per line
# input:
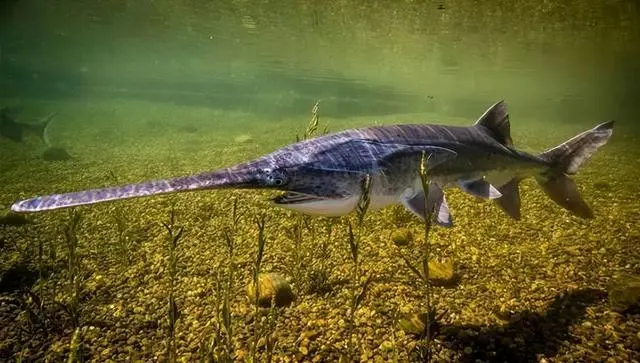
<point x="318" y="322"/>
<point x="386" y="346"/>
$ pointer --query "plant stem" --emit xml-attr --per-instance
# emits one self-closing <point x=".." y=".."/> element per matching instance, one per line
<point x="424" y="178"/>
<point x="173" y="310"/>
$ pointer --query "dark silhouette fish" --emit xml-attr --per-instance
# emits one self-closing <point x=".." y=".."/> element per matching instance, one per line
<point x="323" y="176"/>
<point x="16" y="131"/>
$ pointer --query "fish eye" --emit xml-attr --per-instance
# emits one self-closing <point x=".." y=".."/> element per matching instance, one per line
<point x="275" y="177"/>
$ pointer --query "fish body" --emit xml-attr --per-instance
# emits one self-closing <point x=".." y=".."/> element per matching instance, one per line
<point x="324" y="175"/>
<point x="16" y="131"/>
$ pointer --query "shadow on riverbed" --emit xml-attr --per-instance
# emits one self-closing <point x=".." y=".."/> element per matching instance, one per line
<point x="527" y="335"/>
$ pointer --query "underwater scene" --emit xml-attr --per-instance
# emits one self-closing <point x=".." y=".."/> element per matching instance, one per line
<point x="319" y="181"/>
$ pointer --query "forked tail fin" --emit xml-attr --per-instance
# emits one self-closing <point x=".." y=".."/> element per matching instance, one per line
<point x="42" y="128"/>
<point x="564" y="160"/>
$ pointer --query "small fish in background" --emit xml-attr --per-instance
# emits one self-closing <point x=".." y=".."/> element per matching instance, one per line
<point x="323" y="175"/>
<point x="53" y="153"/>
<point x="17" y="131"/>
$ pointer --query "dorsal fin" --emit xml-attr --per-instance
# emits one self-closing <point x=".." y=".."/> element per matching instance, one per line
<point x="496" y="121"/>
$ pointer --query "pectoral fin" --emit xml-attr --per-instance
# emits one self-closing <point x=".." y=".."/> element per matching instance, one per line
<point x="479" y="188"/>
<point x="436" y="202"/>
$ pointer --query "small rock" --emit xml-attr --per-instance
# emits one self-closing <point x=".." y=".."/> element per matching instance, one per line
<point x="416" y="323"/>
<point x="624" y="292"/>
<point x="271" y="286"/>
<point x="442" y="273"/>
<point x="386" y="346"/>
<point x="413" y="324"/>
<point x="106" y="352"/>
<point x="310" y="334"/>
<point x="401" y="237"/>
<point x="305" y="342"/>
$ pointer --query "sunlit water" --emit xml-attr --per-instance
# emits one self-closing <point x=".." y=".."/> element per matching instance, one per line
<point x="151" y="89"/>
<point x="573" y="61"/>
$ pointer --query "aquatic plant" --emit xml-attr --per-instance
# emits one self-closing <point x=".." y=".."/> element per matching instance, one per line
<point x="29" y="286"/>
<point x="358" y="290"/>
<point x="40" y="258"/>
<point x="73" y="267"/>
<point x="122" y="239"/>
<point x="173" y="313"/>
<point x="394" y="346"/>
<point x="426" y="270"/>
<point x="271" y="339"/>
<point x="312" y="126"/>
<point x="75" y="280"/>
<point x="15" y="234"/>
<point x="426" y="248"/>
<point x="264" y="326"/>
<point x="309" y="268"/>
<point x="318" y="274"/>
<point x="75" y="347"/>
<point x="297" y="253"/>
<point x="229" y="235"/>
<point x="34" y="307"/>
<point x="219" y="347"/>
<point x="120" y="221"/>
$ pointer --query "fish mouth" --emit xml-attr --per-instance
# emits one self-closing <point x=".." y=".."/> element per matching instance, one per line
<point x="297" y="198"/>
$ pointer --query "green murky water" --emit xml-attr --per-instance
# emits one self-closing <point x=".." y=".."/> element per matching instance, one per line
<point x="154" y="89"/>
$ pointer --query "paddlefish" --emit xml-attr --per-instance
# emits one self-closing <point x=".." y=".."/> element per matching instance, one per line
<point x="324" y="175"/>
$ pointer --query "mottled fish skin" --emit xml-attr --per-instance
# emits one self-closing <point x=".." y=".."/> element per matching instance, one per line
<point x="355" y="152"/>
<point x="324" y="175"/>
<point x="232" y="177"/>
